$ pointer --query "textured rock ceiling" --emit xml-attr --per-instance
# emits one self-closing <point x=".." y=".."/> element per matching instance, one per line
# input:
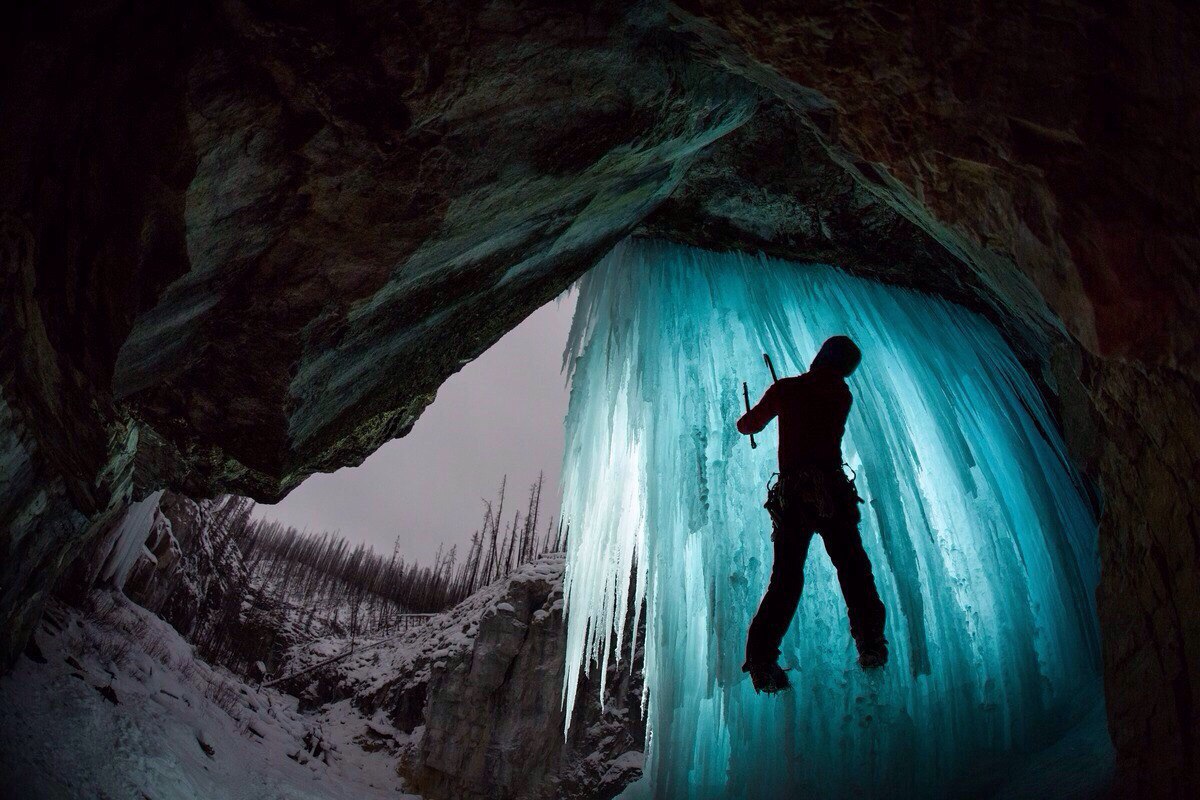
<point x="245" y="241"/>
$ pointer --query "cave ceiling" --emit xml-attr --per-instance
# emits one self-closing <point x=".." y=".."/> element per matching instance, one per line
<point x="335" y="207"/>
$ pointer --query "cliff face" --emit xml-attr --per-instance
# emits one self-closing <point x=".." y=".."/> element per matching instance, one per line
<point x="494" y="718"/>
<point x="245" y="241"/>
<point x="477" y="691"/>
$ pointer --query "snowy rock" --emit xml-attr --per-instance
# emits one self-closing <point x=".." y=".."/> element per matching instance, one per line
<point x="475" y="699"/>
<point x="495" y="713"/>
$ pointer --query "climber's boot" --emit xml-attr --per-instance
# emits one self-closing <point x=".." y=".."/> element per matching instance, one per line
<point x="769" y="678"/>
<point x="873" y="653"/>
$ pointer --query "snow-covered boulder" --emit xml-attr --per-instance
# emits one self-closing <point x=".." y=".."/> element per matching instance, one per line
<point x="478" y="692"/>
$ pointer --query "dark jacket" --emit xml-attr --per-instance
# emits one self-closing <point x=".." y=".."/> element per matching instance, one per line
<point x="812" y="410"/>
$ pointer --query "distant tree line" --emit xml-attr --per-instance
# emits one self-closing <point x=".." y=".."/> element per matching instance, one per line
<point x="359" y="590"/>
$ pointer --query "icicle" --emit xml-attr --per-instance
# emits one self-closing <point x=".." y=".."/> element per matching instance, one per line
<point x="127" y="540"/>
<point x="983" y="547"/>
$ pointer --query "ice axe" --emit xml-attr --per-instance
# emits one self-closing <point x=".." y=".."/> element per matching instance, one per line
<point x="746" y="391"/>
<point x="746" y="397"/>
<point x="770" y="366"/>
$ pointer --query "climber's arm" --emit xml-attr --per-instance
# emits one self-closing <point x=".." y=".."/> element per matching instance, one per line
<point x="757" y="418"/>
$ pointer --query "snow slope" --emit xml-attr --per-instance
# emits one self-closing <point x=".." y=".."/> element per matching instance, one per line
<point x="111" y="702"/>
<point x="120" y="709"/>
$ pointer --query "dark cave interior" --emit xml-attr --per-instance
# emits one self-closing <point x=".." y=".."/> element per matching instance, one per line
<point x="244" y="242"/>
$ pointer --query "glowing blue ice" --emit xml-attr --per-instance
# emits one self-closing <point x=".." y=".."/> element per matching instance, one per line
<point x="983" y="546"/>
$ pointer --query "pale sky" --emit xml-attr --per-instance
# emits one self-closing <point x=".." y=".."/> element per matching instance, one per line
<point x="501" y="414"/>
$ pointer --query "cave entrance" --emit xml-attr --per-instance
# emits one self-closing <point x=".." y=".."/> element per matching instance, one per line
<point x="364" y="553"/>
<point x="499" y="419"/>
<point x="983" y="545"/>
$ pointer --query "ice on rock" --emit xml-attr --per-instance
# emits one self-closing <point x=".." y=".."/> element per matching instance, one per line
<point x="126" y="542"/>
<point x="984" y="549"/>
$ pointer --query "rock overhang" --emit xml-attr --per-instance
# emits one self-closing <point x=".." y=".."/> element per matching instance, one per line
<point x="332" y="284"/>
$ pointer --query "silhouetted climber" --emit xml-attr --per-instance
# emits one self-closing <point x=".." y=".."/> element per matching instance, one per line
<point x="812" y="495"/>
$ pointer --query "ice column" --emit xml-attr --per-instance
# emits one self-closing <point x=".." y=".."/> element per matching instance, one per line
<point x="982" y="543"/>
<point x="127" y="540"/>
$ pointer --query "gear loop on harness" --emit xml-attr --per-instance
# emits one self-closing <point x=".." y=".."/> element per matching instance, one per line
<point x="811" y="498"/>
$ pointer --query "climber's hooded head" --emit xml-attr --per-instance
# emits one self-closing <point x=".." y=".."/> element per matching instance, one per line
<point x="839" y="354"/>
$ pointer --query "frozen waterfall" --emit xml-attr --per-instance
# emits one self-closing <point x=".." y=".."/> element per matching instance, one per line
<point x="983" y="546"/>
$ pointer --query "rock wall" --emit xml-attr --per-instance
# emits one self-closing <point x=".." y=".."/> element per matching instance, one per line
<point x="1142" y="438"/>
<point x="494" y="717"/>
<point x="247" y="240"/>
<point x="478" y="692"/>
<point x="94" y="164"/>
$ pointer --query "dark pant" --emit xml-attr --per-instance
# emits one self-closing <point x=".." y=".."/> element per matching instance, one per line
<point x="814" y="502"/>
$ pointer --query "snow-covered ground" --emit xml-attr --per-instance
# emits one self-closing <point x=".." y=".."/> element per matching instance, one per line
<point x="115" y="706"/>
<point x="111" y="702"/>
